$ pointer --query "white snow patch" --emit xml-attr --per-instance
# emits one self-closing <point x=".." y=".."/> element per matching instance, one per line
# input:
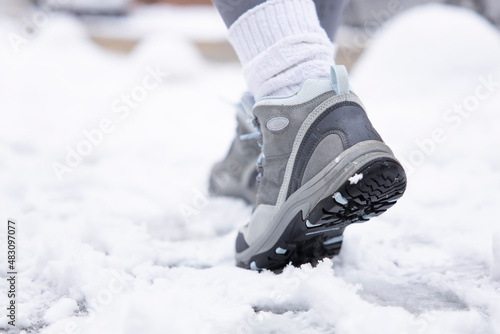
<point x="339" y="198"/>
<point x="64" y="307"/>
<point x="355" y="178"/>
<point x="495" y="267"/>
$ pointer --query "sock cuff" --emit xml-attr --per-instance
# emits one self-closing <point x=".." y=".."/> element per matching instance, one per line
<point x="270" y="22"/>
<point x="289" y="62"/>
<point x="294" y="78"/>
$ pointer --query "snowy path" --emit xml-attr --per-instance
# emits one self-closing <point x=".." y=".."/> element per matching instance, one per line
<point x="128" y="243"/>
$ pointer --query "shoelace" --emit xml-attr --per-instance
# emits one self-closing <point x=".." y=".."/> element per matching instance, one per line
<point x="260" y="168"/>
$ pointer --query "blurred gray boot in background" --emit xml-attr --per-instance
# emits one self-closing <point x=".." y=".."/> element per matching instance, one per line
<point x="236" y="174"/>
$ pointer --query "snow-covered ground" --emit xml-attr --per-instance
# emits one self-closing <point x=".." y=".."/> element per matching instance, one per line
<point x="116" y="234"/>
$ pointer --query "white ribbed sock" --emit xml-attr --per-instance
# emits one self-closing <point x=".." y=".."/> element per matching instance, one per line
<point x="280" y="43"/>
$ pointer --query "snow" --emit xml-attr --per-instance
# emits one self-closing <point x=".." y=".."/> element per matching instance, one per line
<point x="64" y="307"/>
<point x="355" y="178"/>
<point x="128" y="242"/>
<point x="339" y="198"/>
<point x="92" y="4"/>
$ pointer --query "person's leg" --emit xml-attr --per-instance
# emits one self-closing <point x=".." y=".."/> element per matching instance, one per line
<point x="234" y="176"/>
<point x="231" y="10"/>
<point x="329" y="12"/>
<point x="330" y="15"/>
<point x="279" y="43"/>
<point x="323" y="166"/>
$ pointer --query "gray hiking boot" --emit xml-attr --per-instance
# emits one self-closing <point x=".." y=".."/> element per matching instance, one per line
<point x="235" y="175"/>
<point x="324" y="167"/>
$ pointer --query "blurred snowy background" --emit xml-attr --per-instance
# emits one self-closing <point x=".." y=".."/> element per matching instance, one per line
<point x="112" y="114"/>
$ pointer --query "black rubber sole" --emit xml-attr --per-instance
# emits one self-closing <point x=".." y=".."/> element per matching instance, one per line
<point x="319" y="235"/>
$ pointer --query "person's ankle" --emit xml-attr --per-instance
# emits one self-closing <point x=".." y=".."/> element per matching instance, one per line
<point x="278" y="55"/>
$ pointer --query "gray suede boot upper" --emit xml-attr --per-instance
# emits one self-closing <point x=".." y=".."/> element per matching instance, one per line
<point x="280" y="125"/>
<point x="278" y="142"/>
